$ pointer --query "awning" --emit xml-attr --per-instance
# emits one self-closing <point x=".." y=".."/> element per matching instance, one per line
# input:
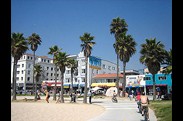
<point x="135" y="86"/>
<point x="103" y="84"/>
<point x="157" y="85"/>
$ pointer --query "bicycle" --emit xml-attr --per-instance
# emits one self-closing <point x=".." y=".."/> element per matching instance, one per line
<point x="146" y="111"/>
<point x="114" y="100"/>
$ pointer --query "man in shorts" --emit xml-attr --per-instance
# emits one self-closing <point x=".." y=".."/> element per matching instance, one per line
<point x="144" y="103"/>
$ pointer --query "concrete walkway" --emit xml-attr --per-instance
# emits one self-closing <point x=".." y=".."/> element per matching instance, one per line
<point x="124" y="110"/>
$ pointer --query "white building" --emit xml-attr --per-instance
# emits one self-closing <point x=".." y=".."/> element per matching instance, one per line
<point x="95" y="66"/>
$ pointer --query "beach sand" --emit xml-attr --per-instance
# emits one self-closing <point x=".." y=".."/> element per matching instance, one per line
<point x="42" y="111"/>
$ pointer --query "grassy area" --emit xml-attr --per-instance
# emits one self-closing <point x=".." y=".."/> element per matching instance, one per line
<point x="162" y="109"/>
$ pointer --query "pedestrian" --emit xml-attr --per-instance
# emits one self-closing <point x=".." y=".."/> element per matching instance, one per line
<point x="130" y="94"/>
<point x="47" y="96"/>
<point x="90" y="96"/>
<point x="38" y="95"/>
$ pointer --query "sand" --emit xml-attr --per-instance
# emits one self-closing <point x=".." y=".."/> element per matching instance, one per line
<point x="43" y="111"/>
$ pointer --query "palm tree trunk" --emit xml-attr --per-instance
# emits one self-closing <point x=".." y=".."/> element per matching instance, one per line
<point x="154" y="89"/>
<point x="55" y="88"/>
<point x="35" y="98"/>
<point x="117" y="78"/>
<point x="85" y="90"/>
<point x="124" y="78"/>
<point x="33" y="71"/>
<point x="14" y="79"/>
<point x="62" y="88"/>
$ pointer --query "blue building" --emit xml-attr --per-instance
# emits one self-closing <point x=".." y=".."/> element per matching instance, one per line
<point x="162" y="81"/>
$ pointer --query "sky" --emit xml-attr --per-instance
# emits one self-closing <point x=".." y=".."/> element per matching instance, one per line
<point x="62" y="22"/>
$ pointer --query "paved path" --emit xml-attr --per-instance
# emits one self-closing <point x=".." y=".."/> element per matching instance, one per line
<point x="124" y="110"/>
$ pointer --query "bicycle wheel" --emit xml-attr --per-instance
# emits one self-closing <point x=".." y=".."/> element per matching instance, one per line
<point x="145" y="114"/>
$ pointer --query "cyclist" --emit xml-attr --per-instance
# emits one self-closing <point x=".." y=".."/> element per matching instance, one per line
<point x="144" y="104"/>
<point x="138" y="101"/>
<point x="114" y="96"/>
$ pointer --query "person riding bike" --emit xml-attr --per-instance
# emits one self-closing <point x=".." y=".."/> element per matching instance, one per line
<point x="114" y="96"/>
<point x="144" y="104"/>
<point x="138" y="101"/>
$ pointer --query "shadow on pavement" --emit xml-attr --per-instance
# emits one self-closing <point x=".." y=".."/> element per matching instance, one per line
<point x="98" y="102"/>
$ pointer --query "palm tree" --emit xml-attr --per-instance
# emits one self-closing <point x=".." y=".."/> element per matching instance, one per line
<point x="126" y="48"/>
<point x="54" y="51"/>
<point x="62" y="61"/>
<point x="117" y="27"/>
<point x="86" y="45"/>
<point x="37" y="74"/>
<point x="73" y="65"/>
<point x="19" y="46"/>
<point x="168" y="62"/>
<point x="152" y="55"/>
<point x="34" y="40"/>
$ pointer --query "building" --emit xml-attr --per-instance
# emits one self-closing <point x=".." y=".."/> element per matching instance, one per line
<point x="162" y="81"/>
<point x="106" y="80"/>
<point x="95" y="66"/>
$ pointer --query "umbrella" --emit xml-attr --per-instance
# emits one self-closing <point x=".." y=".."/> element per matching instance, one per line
<point x="110" y="91"/>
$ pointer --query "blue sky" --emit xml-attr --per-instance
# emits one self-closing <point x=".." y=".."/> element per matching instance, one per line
<point x="62" y="22"/>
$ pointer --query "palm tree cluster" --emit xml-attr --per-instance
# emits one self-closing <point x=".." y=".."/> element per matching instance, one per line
<point x="124" y="47"/>
<point x="153" y="55"/>
<point x="19" y="45"/>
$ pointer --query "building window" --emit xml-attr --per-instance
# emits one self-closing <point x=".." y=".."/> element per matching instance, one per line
<point x="22" y="78"/>
<point x="18" y="66"/>
<point x="75" y="79"/>
<point x="28" y="78"/>
<point x="162" y="77"/>
<point x="104" y="66"/>
<point x="83" y="80"/>
<point x="67" y="71"/>
<point x="31" y="58"/>
<point x="28" y="72"/>
<point x="51" y="68"/>
<point x="18" y="72"/>
<point x="109" y="67"/>
<point x="27" y="57"/>
<point x="47" y="74"/>
<point x="67" y="80"/>
<point x="17" y="78"/>
<point x="22" y="72"/>
<point x="113" y="68"/>
<point x="147" y="78"/>
<point x="24" y="56"/>
<point x="51" y="74"/>
<point x="83" y="70"/>
<point x="47" y="68"/>
<point x="97" y="72"/>
<point x="29" y="65"/>
<point x="48" y="61"/>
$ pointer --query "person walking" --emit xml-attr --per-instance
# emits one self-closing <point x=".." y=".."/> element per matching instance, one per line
<point x="90" y="96"/>
<point x="130" y="94"/>
<point x="47" y="96"/>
